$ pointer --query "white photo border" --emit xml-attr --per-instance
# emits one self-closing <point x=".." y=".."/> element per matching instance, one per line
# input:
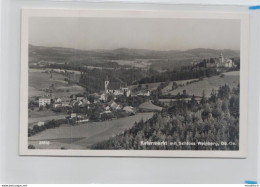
<point x="244" y="67"/>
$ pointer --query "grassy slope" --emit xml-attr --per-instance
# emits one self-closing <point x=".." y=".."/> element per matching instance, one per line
<point x="149" y="105"/>
<point x="207" y="84"/>
<point x="39" y="80"/>
<point x="46" y="118"/>
<point x="90" y="133"/>
<point x="55" y="145"/>
<point x="169" y="87"/>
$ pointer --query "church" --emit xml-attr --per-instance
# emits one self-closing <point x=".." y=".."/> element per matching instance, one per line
<point x="111" y="89"/>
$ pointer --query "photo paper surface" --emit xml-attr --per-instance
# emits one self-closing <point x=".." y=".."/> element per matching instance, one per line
<point x="133" y="83"/>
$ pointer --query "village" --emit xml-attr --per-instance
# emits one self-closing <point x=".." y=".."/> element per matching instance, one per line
<point x="80" y="108"/>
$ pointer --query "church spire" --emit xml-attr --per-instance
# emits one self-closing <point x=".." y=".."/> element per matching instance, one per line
<point x="221" y="58"/>
<point x="106" y="84"/>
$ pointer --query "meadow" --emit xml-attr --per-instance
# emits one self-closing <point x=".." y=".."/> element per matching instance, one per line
<point x="179" y="83"/>
<point x="207" y="84"/>
<point x="86" y="134"/>
<point x="138" y="63"/>
<point x="39" y="80"/>
<point x="32" y="120"/>
<point x="148" y="105"/>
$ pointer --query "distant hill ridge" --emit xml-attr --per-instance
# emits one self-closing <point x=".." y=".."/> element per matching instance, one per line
<point x="140" y="52"/>
<point x="165" y="59"/>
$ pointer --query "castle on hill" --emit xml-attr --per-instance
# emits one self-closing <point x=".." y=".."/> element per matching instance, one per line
<point x="220" y="63"/>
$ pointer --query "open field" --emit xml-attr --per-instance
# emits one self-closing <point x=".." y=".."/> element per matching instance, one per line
<point x="55" y="145"/>
<point x="39" y="80"/>
<point x="88" y="133"/>
<point x="44" y="116"/>
<point x="150" y="106"/>
<point x="37" y="114"/>
<point x="34" y="92"/>
<point x="181" y="82"/>
<point x="138" y="63"/>
<point x="207" y="84"/>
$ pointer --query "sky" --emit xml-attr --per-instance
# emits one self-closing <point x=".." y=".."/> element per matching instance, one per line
<point x="145" y="33"/>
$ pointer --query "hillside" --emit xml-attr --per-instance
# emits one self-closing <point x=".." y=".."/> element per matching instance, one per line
<point x="207" y="84"/>
<point x="158" y="59"/>
<point x="184" y="125"/>
<point x="86" y="134"/>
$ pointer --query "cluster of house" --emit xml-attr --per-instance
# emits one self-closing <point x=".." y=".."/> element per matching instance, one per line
<point x="112" y="105"/>
<point x="80" y="118"/>
<point x="68" y="102"/>
<point x="108" y="106"/>
<point x="82" y="102"/>
<point x="64" y="102"/>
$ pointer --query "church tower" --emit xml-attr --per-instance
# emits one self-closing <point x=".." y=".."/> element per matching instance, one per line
<point x="221" y="59"/>
<point x="106" y="84"/>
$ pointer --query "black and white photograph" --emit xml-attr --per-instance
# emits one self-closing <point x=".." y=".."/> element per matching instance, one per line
<point x="124" y="83"/>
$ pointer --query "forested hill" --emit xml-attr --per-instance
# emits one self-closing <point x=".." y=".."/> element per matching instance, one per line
<point x="212" y="120"/>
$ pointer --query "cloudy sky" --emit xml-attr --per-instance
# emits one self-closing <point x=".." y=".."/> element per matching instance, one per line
<point x="155" y="34"/>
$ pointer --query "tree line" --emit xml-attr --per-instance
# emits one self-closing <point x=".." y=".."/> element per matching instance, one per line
<point x="49" y="125"/>
<point x="185" y="73"/>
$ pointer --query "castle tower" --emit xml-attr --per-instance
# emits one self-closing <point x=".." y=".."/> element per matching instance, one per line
<point x="106" y="84"/>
